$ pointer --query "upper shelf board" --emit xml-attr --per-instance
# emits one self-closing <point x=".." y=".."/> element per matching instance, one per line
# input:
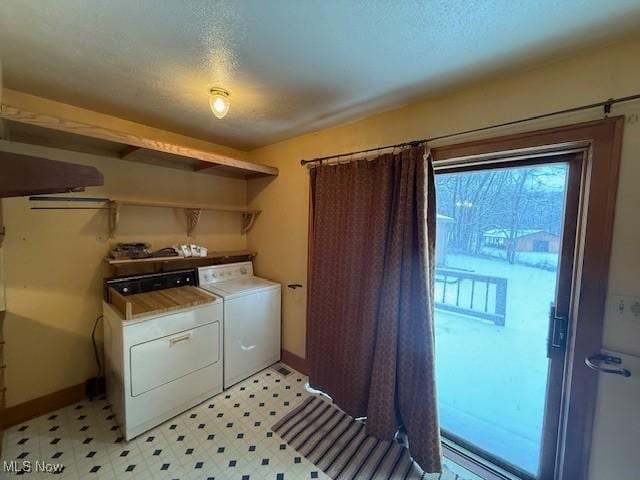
<point x="123" y="144"/>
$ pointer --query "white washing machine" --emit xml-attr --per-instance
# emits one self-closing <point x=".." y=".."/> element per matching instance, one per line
<point x="251" y="318"/>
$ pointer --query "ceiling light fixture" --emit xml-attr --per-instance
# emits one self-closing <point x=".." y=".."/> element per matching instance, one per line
<point x="219" y="101"/>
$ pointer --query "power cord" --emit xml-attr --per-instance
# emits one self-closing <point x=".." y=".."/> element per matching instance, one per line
<point x="95" y="386"/>
<point x="95" y="346"/>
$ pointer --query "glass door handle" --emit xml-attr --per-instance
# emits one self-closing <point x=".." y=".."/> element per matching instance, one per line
<point x="598" y="361"/>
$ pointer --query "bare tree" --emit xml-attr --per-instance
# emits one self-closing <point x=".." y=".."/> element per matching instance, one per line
<point x="507" y="199"/>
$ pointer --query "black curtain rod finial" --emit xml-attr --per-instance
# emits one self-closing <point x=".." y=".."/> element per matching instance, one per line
<point x="607" y="107"/>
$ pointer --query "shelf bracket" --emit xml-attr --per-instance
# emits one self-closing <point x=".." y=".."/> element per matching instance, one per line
<point x="193" y="217"/>
<point x="114" y="217"/>
<point x="248" y="219"/>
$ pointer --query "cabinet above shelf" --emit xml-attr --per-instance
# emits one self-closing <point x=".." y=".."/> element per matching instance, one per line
<point x="115" y="207"/>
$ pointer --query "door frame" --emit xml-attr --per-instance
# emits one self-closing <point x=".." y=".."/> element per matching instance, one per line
<point x="562" y="305"/>
<point x="601" y="142"/>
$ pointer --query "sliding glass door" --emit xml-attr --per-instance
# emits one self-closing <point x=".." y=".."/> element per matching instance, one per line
<point x="504" y="254"/>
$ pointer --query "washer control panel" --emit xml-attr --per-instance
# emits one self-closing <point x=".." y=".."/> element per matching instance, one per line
<point x="224" y="272"/>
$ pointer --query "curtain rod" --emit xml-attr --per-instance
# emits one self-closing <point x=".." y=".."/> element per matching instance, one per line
<point x="605" y="103"/>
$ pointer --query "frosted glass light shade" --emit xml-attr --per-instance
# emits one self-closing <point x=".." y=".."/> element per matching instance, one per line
<point x="219" y="102"/>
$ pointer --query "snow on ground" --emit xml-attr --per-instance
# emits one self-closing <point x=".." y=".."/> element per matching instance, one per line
<point x="491" y="379"/>
<point x="546" y="260"/>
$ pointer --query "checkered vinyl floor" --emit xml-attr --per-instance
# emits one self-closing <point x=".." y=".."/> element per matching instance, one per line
<point x="226" y="437"/>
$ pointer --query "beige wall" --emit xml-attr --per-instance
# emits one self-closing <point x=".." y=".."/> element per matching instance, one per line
<point x="612" y="71"/>
<point x="281" y="235"/>
<point x="54" y="267"/>
<point x="53" y="260"/>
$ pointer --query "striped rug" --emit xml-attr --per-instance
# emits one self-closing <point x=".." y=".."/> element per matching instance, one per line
<point x="338" y="445"/>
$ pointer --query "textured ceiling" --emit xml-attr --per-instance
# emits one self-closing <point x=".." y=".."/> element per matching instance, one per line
<point x="292" y="66"/>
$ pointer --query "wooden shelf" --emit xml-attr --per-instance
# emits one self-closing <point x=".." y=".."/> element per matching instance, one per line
<point x="211" y="256"/>
<point x="191" y="210"/>
<point x="184" y="206"/>
<point x="114" y="205"/>
<point x="24" y="175"/>
<point x="156" y="264"/>
<point x="129" y="137"/>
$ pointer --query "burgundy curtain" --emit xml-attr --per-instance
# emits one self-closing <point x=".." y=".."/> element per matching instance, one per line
<point x="370" y="309"/>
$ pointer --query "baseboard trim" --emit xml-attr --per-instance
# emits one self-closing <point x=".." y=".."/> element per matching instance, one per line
<point x="62" y="398"/>
<point x="39" y="406"/>
<point x="295" y="361"/>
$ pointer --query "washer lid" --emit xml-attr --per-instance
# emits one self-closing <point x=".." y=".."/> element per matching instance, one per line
<point x="241" y="286"/>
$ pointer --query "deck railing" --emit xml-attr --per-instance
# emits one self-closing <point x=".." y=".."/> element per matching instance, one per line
<point x="471" y="294"/>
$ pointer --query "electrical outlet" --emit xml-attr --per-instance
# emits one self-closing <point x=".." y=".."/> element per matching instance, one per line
<point x="624" y="307"/>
